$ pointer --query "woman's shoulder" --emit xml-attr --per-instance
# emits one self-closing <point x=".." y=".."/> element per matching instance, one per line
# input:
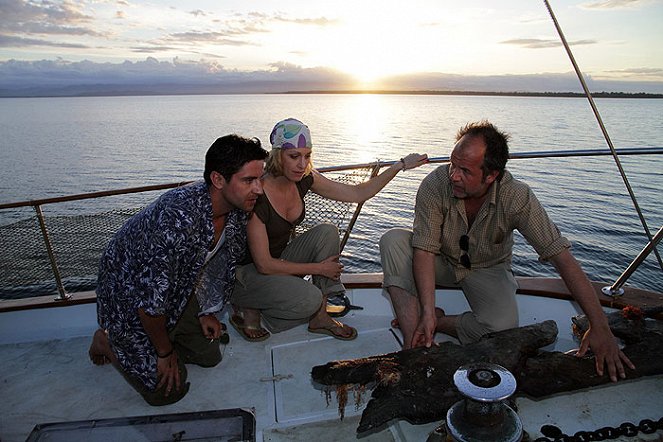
<point x="305" y="184"/>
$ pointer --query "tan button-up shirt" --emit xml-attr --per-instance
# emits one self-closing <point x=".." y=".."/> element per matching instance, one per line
<point x="440" y="221"/>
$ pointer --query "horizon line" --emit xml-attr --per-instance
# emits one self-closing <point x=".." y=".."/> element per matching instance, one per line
<point x="123" y="93"/>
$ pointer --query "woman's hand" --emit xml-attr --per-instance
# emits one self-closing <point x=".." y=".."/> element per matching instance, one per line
<point x="414" y="160"/>
<point x="331" y="267"/>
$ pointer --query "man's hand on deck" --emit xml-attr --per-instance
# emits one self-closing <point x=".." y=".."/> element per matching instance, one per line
<point x="168" y="373"/>
<point x="606" y="352"/>
<point x="423" y="334"/>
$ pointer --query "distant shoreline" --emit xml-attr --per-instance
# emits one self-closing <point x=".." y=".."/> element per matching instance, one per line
<point x="481" y="93"/>
<point x="133" y="93"/>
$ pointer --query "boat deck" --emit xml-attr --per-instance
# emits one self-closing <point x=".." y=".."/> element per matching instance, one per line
<point x="46" y="377"/>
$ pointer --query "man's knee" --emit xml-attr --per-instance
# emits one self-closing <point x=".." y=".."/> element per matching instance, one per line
<point x="396" y="251"/>
<point x="201" y="352"/>
<point x="504" y="322"/>
<point x="472" y="327"/>
<point x="395" y="239"/>
<point x="161" y="396"/>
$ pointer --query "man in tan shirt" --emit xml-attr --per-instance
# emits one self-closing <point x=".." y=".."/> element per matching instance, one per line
<point x="465" y="215"/>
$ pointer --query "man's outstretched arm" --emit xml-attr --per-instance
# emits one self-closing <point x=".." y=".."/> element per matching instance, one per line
<point x="599" y="337"/>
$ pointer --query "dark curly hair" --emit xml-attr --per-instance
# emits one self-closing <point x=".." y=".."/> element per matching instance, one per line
<point x="497" y="147"/>
<point x="229" y="153"/>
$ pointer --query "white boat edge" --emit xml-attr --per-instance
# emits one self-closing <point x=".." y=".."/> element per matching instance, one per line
<point x="47" y="377"/>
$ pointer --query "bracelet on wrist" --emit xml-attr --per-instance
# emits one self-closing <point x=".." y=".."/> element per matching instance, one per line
<point x="402" y="160"/>
<point x="164" y="356"/>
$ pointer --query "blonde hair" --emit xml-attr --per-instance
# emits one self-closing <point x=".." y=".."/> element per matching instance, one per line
<point x="274" y="164"/>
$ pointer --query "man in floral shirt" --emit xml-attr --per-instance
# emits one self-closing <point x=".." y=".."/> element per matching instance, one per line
<point x="170" y="268"/>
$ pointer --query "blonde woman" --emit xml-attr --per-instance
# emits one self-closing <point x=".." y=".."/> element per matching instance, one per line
<point x="270" y="286"/>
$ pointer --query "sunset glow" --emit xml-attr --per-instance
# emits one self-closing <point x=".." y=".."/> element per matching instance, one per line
<point x="368" y="41"/>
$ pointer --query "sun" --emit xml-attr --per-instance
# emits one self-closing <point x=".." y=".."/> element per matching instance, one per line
<point x="364" y="54"/>
<point x="370" y="46"/>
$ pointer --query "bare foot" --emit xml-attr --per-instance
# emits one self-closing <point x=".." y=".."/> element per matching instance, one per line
<point x="439" y="313"/>
<point x="100" y="351"/>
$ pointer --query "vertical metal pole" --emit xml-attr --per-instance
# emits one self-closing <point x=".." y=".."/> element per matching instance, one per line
<point x="602" y="126"/>
<point x="355" y="215"/>
<point x="51" y="256"/>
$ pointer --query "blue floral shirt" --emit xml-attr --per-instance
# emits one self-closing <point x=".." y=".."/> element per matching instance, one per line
<point x="155" y="261"/>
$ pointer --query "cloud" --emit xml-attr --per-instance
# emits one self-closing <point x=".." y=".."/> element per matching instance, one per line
<point x="615" y="4"/>
<point x="227" y="36"/>
<point x="264" y="18"/>
<point x="318" y="21"/>
<point x="538" y="43"/>
<point x="204" y="37"/>
<point x="645" y="71"/>
<point x="46" y="17"/>
<point x="178" y="76"/>
<point x="655" y="74"/>
<point x="156" y="49"/>
<point x="198" y="13"/>
<point x="29" y="24"/>
<point x="17" y="42"/>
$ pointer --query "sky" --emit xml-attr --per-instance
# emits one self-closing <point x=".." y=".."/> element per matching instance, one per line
<point x="263" y="45"/>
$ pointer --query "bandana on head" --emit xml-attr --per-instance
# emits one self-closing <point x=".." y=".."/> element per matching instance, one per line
<point x="290" y="134"/>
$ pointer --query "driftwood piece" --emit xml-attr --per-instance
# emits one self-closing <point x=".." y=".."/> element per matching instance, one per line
<point x="627" y="324"/>
<point x="554" y="372"/>
<point x="417" y="384"/>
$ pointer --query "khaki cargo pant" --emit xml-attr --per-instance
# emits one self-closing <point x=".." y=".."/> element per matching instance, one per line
<point x="286" y="301"/>
<point x="490" y="292"/>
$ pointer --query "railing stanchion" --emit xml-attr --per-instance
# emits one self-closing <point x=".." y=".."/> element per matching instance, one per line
<point x="51" y="256"/>
<point x="355" y="215"/>
<point x="616" y="290"/>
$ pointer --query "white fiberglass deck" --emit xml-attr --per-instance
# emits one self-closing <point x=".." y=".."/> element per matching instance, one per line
<point x="47" y="377"/>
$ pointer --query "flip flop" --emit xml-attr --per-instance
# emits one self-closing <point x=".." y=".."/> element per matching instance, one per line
<point x="238" y="324"/>
<point x="329" y="331"/>
<point x="438" y="314"/>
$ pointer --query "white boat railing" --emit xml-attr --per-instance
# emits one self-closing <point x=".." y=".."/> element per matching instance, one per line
<point x="324" y="211"/>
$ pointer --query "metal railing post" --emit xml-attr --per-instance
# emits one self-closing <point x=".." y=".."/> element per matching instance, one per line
<point x="355" y="215"/>
<point x="51" y="256"/>
<point x="616" y="290"/>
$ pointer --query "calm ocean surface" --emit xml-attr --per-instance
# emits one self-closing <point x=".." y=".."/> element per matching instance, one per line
<point x="60" y="146"/>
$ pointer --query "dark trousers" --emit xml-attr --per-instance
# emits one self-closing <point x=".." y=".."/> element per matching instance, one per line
<point x="192" y="347"/>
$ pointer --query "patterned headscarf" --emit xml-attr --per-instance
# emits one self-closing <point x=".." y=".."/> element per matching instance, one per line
<point x="290" y="134"/>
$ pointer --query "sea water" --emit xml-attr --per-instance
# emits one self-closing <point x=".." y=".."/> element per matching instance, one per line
<point x="60" y="146"/>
